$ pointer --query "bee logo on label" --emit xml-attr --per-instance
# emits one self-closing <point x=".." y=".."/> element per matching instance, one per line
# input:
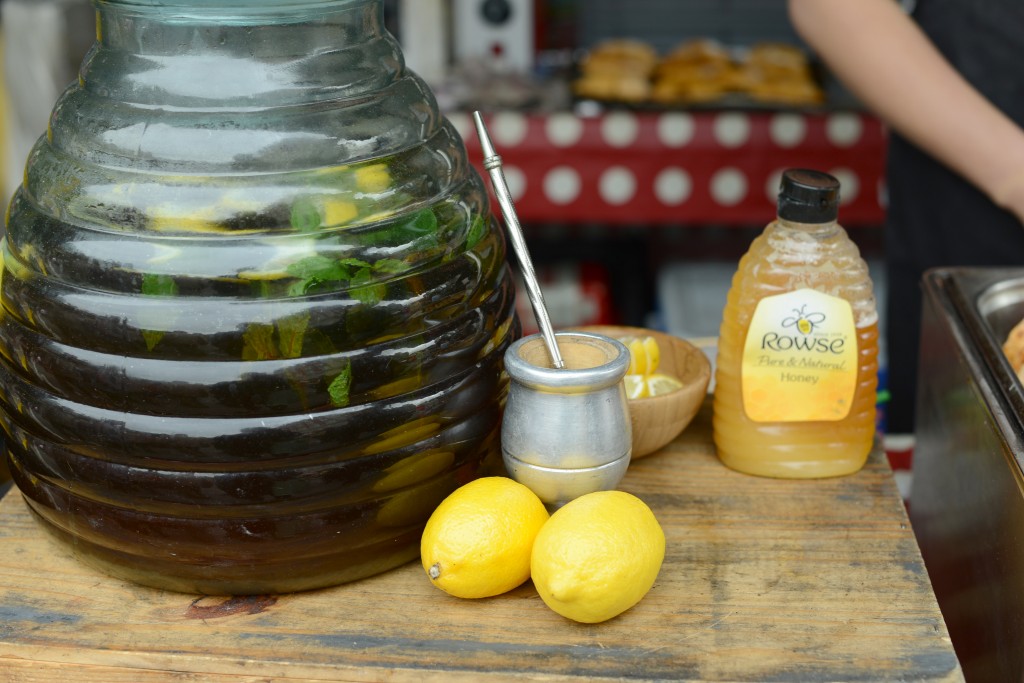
<point x="803" y="321"/>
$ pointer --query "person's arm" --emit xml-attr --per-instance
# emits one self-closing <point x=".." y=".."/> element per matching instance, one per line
<point x="881" y="55"/>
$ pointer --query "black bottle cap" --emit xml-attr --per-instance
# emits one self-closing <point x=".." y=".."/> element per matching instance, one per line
<point x="807" y="196"/>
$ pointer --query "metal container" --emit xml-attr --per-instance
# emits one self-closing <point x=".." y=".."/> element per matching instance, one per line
<point x="566" y="432"/>
<point x="967" y="501"/>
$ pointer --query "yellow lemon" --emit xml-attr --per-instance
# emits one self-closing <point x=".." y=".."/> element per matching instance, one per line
<point x="477" y="543"/>
<point x="644" y="355"/>
<point x="597" y="556"/>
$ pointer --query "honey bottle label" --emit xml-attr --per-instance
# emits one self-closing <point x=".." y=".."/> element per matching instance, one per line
<point x="800" y="358"/>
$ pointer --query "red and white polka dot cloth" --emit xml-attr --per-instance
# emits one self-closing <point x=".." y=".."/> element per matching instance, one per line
<point x="706" y="167"/>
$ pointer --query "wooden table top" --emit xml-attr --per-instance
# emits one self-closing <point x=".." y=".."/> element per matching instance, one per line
<point x="763" y="580"/>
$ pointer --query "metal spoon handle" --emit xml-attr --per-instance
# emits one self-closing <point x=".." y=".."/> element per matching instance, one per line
<point x="492" y="163"/>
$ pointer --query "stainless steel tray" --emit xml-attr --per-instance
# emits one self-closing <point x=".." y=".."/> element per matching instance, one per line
<point x="1000" y="304"/>
<point x="967" y="500"/>
<point x="982" y="305"/>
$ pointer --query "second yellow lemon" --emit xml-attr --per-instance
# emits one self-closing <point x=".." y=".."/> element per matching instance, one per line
<point x="598" y="556"/>
<point x="478" y="542"/>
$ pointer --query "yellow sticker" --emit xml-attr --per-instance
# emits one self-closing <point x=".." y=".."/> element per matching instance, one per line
<point x="800" y="358"/>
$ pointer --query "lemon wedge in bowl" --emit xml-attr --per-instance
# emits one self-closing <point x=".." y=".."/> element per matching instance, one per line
<point x="644" y="355"/>
<point x="646" y="386"/>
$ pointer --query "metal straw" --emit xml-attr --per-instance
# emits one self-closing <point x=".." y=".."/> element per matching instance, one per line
<point x="492" y="162"/>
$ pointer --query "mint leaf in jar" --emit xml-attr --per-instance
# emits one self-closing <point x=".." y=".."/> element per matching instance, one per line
<point x="477" y="230"/>
<point x="315" y="270"/>
<point x="305" y="215"/>
<point x="152" y="338"/>
<point x="339" y="387"/>
<point x="420" y="226"/>
<point x="390" y="266"/>
<point x="258" y="342"/>
<point x="290" y="331"/>
<point x="319" y="267"/>
<point x="155" y="285"/>
<point x="354" y="263"/>
<point x="425" y="223"/>
<point x="158" y="285"/>
<point x="365" y="290"/>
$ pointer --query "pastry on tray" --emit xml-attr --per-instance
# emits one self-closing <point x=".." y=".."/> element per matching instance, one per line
<point x="697" y="71"/>
<point x="1014" y="349"/>
<point x="780" y="73"/>
<point x="618" y="70"/>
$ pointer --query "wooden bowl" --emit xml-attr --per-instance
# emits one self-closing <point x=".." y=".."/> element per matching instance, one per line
<point x="659" y="419"/>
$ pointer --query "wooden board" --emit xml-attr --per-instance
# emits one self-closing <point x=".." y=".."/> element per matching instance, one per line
<point x="763" y="580"/>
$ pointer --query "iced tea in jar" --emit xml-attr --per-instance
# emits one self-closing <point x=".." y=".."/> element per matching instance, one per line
<point x="254" y="307"/>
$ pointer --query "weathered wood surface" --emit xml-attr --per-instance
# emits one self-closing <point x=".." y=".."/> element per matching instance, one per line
<point x="763" y="580"/>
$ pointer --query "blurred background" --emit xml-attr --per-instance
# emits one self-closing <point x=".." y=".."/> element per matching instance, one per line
<point x="643" y="139"/>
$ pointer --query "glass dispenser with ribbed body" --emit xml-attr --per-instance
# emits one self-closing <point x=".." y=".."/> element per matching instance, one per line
<point x="253" y="304"/>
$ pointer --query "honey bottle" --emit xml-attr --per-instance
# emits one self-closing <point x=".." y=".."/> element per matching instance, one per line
<point x="796" y="378"/>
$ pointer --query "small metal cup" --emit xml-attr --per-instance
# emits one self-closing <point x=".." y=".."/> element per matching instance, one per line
<point x="566" y="432"/>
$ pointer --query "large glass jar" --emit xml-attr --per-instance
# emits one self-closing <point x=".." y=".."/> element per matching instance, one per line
<point x="254" y="305"/>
